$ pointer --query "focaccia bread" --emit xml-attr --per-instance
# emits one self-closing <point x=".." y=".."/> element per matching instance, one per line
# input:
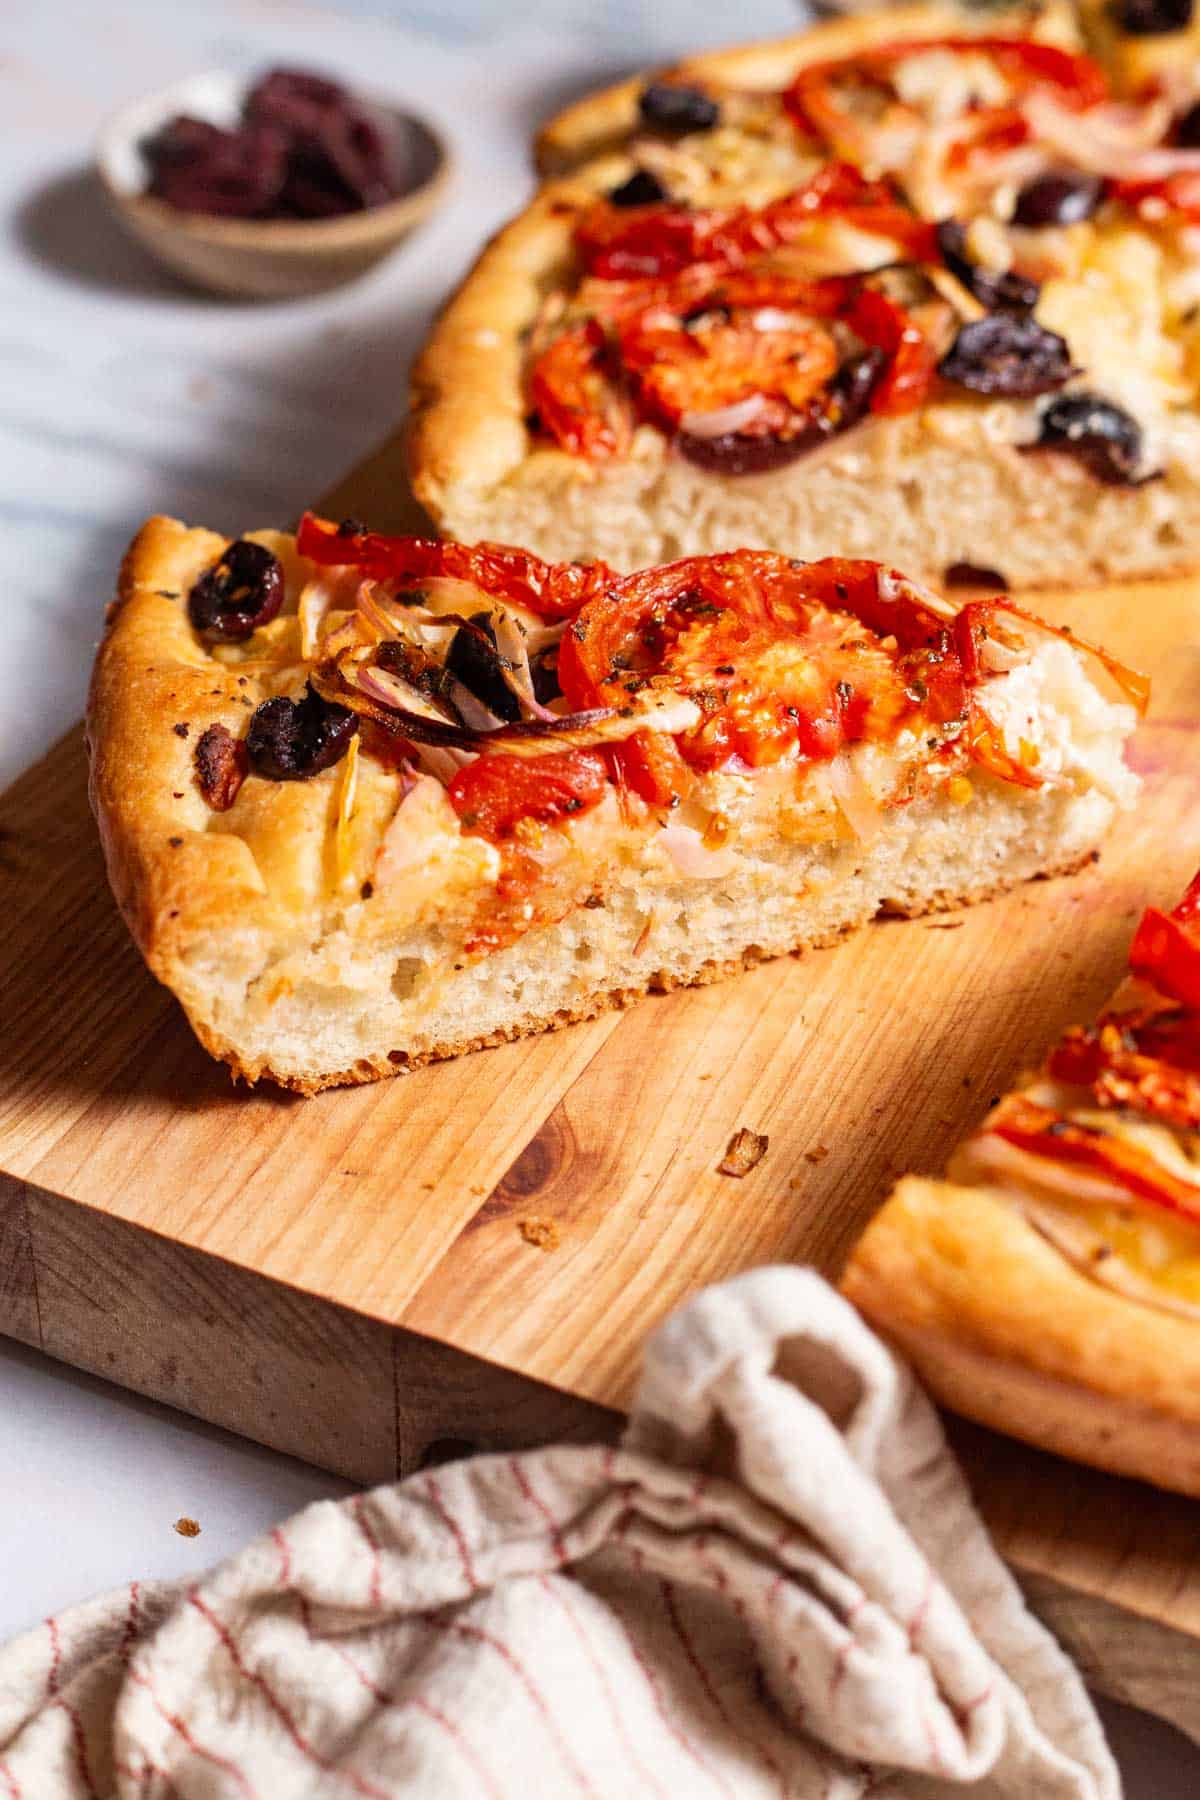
<point x="368" y="801"/>
<point x="909" y="287"/>
<point x="1050" y="1287"/>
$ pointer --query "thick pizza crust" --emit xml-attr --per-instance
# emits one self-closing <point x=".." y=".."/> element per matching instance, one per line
<point x="288" y="974"/>
<point x="601" y="121"/>
<point x="1001" y="1328"/>
<point x="924" y="491"/>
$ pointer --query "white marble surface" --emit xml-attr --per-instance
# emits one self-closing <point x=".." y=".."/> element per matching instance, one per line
<point x="122" y="392"/>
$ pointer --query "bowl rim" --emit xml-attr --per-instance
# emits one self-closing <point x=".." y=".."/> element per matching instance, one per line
<point x="344" y="232"/>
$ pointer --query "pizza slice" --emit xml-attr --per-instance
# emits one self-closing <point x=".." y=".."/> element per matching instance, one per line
<point x="904" y="288"/>
<point x="1050" y="1286"/>
<point x="368" y="801"/>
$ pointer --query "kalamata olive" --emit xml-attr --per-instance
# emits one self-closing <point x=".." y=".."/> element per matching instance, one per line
<point x="673" y="109"/>
<point x="1187" y="128"/>
<point x="1007" y="353"/>
<point x="197" y="167"/>
<point x="998" y="290"/>
<point x="478" y="668"/>
<point x="1098" y="434"/>
<point x="1154" y="18"/>
<point x="544" y="669"/>
<point x="841" y="405"/>
<point x="289" y="740"/>
<point x="242" y="590"/>
<point x="642" y="189"/>
<point x="1064" y="198"/>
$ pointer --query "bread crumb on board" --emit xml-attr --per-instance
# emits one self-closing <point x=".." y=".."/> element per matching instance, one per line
<point x="187" y="1527"/>
<point x="541" y="1233"/>
<point x="744" y="1152"/>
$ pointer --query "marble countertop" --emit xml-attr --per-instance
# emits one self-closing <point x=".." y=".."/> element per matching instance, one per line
<point x="122" y="393"/>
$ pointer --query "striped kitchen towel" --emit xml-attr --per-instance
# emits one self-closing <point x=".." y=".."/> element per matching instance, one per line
<point x="776" y="1586"/>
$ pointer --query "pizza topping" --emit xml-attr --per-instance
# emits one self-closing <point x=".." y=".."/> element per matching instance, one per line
<point x="1008" y="354"/>
<point x="673" y="108"/>
<point x="554" y="590"/>
<point x="997" y="290"/>
<point x="1116" y="1165"/>
<point x="221" y="762"/>
<point x="1154" y="18"/>
<point x="1098" y="434"/>
<point x="495" y="792"/>
<point x="241" y="591"/>
<point x="289" y="740"/>
<point x="475" y="661"/>
<point x="1063" y="197"/>
<point x="643" y="188"/>
<point x="1186" y="132"/>
<point x="1166" y="949"/>
<point x="1145" y="1061"/>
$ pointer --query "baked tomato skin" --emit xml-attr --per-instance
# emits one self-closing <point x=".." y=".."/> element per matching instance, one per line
<point x="574" y="398"/>
<point x="555" y="590"/>
<point x="494" y="793"/>
<point x="772" y="651"/>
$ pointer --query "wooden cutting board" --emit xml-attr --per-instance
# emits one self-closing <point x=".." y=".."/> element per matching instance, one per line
<point x="350" y="1279"/>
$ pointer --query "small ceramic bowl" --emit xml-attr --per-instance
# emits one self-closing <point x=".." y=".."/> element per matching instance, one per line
<point x="262" y="259"/>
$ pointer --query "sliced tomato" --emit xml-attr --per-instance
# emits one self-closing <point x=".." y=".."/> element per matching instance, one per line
<point x="1177" y="195"/>
<point x="912" y="359"/>
<point x="1076" y="80"/>
<point x="651" y="765"/>
<point x="495" y="792"/>
<point x="555" y="590"/>
<point x="716" y="365"/>
<point x="1166" y="953"/>
<point x="660" y="242"/>
<point x="573" y="397"/>
<point x="1146" y="1062"/>
<point x="779" y="656"/>
<point x="1042" y="1132"/>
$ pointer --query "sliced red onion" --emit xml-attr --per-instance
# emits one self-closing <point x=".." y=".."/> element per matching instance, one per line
<point x="723" y="419"/>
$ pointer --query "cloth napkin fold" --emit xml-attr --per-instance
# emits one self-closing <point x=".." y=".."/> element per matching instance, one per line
<point x="776" y="1586"/>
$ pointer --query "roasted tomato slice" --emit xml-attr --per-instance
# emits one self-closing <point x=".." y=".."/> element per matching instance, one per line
<point x="556" y="590"/>
<point x="1166" y="953"/>
<point x="1171" y="196"/>
<point x="774" y="653"/>
<point x="574" y="396"/>
<point x="717" y="365"/>
<point x="912" y="358"/>
<point x="827" y="99"/>
<point x="657" y="242"/>
<point x="1145" y="1061"/>
<point x="495" y="792"/>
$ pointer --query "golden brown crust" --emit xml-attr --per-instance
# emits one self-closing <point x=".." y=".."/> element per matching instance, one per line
<point x="170" y="876"/>
<point x="600" y="122"/>
<point x="467" y="395"/>
<point x="1003" y="1329"/>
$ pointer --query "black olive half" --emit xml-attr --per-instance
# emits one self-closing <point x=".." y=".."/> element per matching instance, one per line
<point x="673" y="109"/>
<point x="1009" y="354"/>
<point x="1154" y="18"/>
<point x="289" y="740"/>
<point x="642" y="189"/>
<point x="1098" y="434"/>
<point x="242" y="591"/>
<point x="478" y="668"/>
<point x="999" y="291"/>
<point x="1065" y="198"/>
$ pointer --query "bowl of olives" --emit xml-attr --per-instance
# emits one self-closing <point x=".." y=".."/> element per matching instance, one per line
<point x="272" y="187"/>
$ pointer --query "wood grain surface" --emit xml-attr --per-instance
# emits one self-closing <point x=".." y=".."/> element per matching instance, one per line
<point x="347" y="1277"/>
